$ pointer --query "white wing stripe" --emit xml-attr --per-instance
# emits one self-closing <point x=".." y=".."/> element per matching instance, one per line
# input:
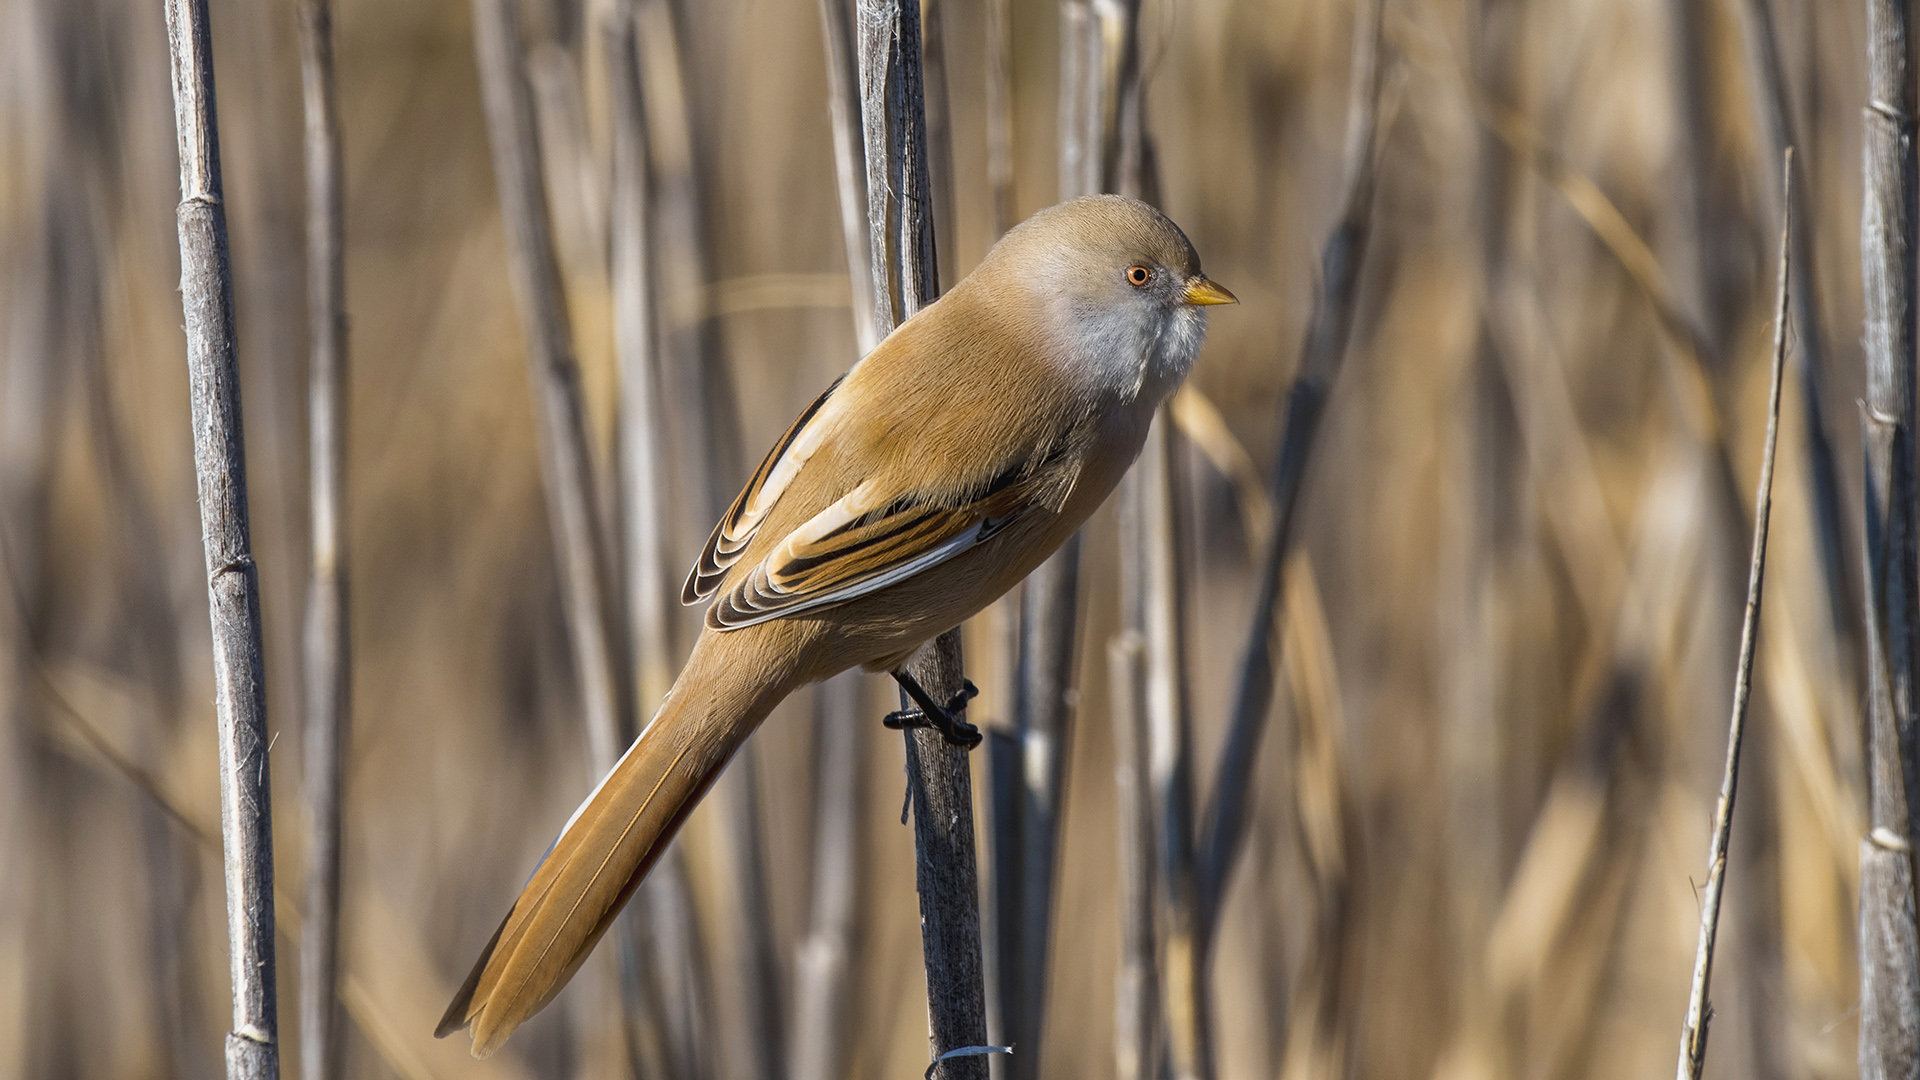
<point x="931" y="557"/>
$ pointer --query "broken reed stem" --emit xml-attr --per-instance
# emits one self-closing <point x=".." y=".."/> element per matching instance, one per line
<point x="233" y="583"/>
<point x="1889" y="942"/>
<point x="1223" y="826"/>
<point x="893" y="116"/>
<point x="1693" y="1034"/>
<point x="1823" y="474"/>
<point x="328" y="675"/>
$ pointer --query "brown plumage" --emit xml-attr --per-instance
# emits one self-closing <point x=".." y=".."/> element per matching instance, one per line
<point x="925" y="483"/>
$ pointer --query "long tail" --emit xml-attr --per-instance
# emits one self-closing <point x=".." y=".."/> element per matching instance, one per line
<point x="616" y="836"/>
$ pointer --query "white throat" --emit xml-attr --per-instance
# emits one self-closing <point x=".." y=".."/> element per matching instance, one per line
<point x="1140" y="357"/>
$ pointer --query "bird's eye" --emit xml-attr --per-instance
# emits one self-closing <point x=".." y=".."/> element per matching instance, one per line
<point x="1138" y="276"/>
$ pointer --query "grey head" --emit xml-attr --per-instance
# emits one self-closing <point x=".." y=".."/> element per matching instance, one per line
<point x="1119" y="286"/>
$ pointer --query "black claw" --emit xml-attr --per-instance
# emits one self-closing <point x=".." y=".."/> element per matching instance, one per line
<point x="943" y="717"/>
<point x="901" y="719"/>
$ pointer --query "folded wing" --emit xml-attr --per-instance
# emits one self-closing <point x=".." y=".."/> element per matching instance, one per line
<point x="869" y="540"/>
<point x="742" y="520"/>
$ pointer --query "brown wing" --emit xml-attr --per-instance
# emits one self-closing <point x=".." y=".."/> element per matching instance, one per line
<point x="738" y="525"/>
<point x="864" y="543"/>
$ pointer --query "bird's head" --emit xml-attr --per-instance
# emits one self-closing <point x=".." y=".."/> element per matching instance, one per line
<point x="1118" y="284"/>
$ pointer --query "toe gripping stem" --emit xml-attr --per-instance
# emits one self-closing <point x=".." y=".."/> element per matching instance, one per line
<point x="928" y="713"/>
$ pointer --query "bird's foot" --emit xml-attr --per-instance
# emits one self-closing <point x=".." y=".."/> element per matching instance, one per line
<point x="926" y="713"/>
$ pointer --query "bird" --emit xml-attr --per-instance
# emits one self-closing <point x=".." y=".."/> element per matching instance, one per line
<point x="923" y="484"/>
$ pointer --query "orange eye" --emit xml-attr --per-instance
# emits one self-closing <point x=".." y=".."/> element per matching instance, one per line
<point x="1138" y="275"/>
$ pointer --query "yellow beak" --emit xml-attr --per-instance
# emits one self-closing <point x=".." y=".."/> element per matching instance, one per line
<point x="1202" y="293"/>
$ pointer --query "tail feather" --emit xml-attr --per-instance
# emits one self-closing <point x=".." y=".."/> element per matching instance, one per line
<point x="608" y="847"/>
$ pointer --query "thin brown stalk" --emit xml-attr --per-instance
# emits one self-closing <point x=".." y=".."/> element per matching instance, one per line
<point x="1223" y="826"/>
<point x="328" y="675"/>
<point x="1713" y="231"/>
<point x="1829" y="517"/>
<point x="233" y="583"/>
<point x="1693" y="1034"/>
<point x="1889" y="943"/>
<point x="901" y="231"/>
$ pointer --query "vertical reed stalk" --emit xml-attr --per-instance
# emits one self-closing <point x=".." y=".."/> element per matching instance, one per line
<point x="565" y="447"/>
<point x="1693" y="1034"/>
<point x="329" y="677"/>
<point x="818" y="1048"/>
<point x="1889" y="944"/>
<point x="565" y="457"/>
<point x="233" y="583"/>
<point x="901" y="234"/>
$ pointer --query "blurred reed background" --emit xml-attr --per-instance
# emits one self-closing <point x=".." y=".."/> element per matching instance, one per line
<point x="1474" y="823"/>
